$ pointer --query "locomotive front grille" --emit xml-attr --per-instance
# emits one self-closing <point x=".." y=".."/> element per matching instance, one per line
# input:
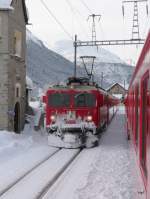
<point x="71" y="130"/>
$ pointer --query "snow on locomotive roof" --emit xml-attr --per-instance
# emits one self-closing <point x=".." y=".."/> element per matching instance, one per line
<point x="62" y="87"/>
<point x="77" y="88"/>
<point x="78" y="84"/>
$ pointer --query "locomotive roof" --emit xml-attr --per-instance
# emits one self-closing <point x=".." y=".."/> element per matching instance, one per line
<point x="76" y="87"/>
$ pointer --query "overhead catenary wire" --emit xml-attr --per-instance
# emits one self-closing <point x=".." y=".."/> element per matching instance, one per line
<point x="76" y="10"/>
<point x="57" y="21"/>
<point x="73" y="9"/>
<point x="86" y="6"/>
<point x="79" y="21"/>
<point x="72" y="12"/>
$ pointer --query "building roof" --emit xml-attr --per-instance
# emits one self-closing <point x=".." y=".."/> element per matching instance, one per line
<point x="115" y="85"/>
<point x="6" y="5"/>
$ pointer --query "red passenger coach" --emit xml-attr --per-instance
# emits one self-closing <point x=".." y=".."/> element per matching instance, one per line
<point x="75" y="113"/>
<point x="138" y="113"/>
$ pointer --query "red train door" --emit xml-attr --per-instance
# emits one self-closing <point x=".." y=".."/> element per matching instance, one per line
<point x="144" y="125"/>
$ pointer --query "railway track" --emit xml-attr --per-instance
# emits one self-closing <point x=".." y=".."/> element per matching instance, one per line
<point x="35" y="183"/>
<point x="22" y="172"/>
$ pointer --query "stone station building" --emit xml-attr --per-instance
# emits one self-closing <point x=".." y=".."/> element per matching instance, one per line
<point x="13" y="20"/>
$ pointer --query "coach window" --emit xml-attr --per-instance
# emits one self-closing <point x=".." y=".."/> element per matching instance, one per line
<point x="144" y="123"/>
<point x="132" y="111"/>
<point x="136" y="114"/>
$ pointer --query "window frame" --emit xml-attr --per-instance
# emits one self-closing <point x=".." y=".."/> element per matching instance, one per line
<point x="17" y="43"/>
<point x="85" y="104"/>
<point x="50" y="104"/>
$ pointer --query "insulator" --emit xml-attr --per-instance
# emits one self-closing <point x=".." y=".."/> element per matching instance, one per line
<point x="147" y="9"/>
<point x="123" y="10"/>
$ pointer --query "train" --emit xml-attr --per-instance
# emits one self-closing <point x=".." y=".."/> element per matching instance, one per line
<point x="137" y="103"/>
<point x="77" y="112"/>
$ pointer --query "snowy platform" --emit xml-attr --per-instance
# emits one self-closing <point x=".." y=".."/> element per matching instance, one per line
<point x="108" y="171"/>
<point x="105" y="172"/>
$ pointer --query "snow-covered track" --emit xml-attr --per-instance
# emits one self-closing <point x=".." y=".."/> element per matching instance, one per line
<point x="12" y="175"/>
<point x="38" y="181"/>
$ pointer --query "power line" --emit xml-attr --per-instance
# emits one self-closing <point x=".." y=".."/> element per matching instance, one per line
<point x="76" y="11"/>
<point x="57" y="21"/>
<point x="79" y="13"/>
<point x="79" y="21"/>
<point x="72" y="11"/>
<point x="85" y="5"/>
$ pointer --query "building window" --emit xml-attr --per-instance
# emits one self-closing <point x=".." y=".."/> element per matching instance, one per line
<point x="18" y="91"/>
<point x="17" y="43"/>
<point x="0" y="27"/>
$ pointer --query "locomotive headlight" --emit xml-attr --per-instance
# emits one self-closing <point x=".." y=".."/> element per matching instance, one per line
<point x="53" y="118"/>
<point x="89" y="118"/>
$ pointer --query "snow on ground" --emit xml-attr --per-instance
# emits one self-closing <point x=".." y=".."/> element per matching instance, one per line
<point x="104" y="172"/>
<point x="12" y="144"/>
<point x="13" y="147"/>
<point x="35" y="182"/>
<point x="121" y="110"/>
<point x="38" y="109"/>
<point x="19" y="153"/>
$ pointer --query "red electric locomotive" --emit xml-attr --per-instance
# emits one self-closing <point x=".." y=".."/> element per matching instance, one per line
<point x="138" y="113"/>
<point x="76" y="112"/>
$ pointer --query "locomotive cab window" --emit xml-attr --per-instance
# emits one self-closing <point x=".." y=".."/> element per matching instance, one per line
<point x="59" y="100"/>
<point x="84" y="100"/>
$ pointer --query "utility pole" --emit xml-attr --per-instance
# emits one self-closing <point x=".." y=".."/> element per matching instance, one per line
<point x="102" y="78"/>
<point x="93" y="16"/>
<point x="135" y="25"/>
<point x="124" y="84"/>
<point x="75" y="56"/>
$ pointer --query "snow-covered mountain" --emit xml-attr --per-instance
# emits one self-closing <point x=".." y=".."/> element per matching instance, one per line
<point x="45" y="66"/>
<point x="65" y="48"/>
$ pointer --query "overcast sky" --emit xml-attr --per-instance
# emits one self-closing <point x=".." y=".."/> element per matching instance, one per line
<point x="73" y="14"/>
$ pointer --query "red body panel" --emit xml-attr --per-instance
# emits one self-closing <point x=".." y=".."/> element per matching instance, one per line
<point x="100" y="112"/>
<point x="138" y="113"/>
<point x="82" y="111"/>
